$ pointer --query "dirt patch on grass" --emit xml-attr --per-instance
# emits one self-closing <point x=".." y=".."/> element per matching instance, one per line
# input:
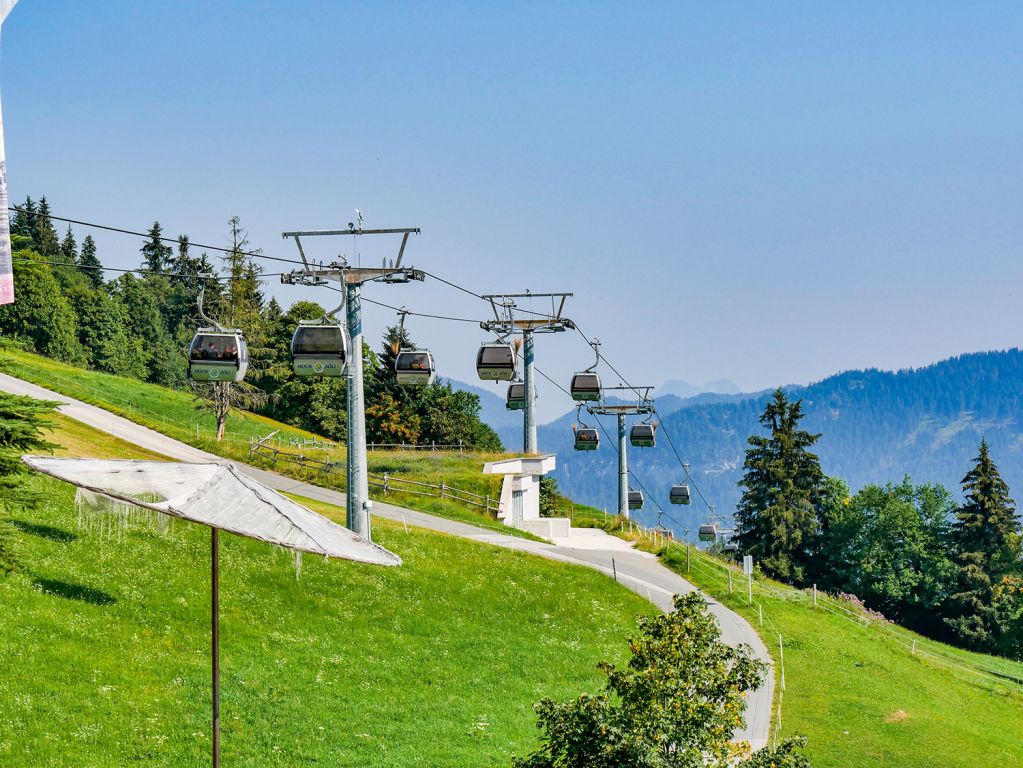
<point x="898" y="716"/>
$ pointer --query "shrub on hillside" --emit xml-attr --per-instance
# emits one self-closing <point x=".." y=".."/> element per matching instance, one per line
<point x="675" y="705"/>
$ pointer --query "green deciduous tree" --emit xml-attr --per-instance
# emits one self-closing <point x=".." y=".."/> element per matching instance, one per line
<point x="42" y="315"/>
<point x="778" y="517"/>
<point x="888" y="545"/>
<point x="985" y="536"/>
<point x="675" y="705"/>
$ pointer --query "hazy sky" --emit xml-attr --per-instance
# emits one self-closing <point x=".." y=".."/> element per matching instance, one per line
<point x="763" y="192"/>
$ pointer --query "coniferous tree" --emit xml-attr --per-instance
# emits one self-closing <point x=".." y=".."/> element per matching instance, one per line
<point x="155" y="253"/>
<point x="23" y="220"/>
<point x="777" y="518"/>
<point x="89" y="262"/>
<point x="44" y="235"/>
<point x="985" y="539"/>
<point x="22" y="421"/>
<point x="69" y="248"/>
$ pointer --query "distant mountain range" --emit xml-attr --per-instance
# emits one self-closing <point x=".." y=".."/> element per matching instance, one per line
<point x="877" y="426"/>
<point x="684" y="389"/>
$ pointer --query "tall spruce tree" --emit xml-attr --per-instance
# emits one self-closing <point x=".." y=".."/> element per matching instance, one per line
<point x="156" y="254"/>
<point x="69" y="248"/>
<point x="777" y="518"/>
<point x="89" y="262"/>
<point x="47" y="242"/>
<point x="23" y="220"/>
<point x="985" y="540"/>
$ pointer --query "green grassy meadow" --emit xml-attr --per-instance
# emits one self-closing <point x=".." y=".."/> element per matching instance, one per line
<point x="858" y="692"/>
<point x="177" y="415"/>
<point x="104" y="645"/>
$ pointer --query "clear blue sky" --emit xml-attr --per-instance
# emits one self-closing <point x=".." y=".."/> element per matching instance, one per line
<point x="763" y="192"/>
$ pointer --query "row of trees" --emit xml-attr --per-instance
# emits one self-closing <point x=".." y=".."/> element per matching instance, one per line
<point x="909" y="551"/>
<point x="140" y="324"/>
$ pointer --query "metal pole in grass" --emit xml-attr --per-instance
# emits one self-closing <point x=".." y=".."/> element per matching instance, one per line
<point x="781" y="658"/>
<point x="215" y="617"/>
<point x="760" y="611"/>
<point x="614" y="570"/>
<point x="814" y="595"/>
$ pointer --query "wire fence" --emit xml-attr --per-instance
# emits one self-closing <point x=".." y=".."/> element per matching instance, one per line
<point x="728" y="578"/>
<point x="387" y="482"/>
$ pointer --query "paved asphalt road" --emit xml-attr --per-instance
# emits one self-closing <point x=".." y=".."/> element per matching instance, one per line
<point x="638" y="571"/>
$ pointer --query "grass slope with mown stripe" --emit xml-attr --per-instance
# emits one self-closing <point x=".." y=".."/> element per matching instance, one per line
<point x="857" y="691"/>
<point x="104" y="645"/>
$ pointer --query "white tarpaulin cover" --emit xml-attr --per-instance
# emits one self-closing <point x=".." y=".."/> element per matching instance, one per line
<point x="216" y="495"/>
<point x="6" y="267"/>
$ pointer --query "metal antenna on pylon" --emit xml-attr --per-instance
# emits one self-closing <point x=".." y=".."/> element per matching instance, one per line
<point x="358" y="505"/>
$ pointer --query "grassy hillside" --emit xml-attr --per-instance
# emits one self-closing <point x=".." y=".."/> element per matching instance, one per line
<point x="178" y="415"/>
<point x="104" y="646"/>
<point x="858" y="690"/>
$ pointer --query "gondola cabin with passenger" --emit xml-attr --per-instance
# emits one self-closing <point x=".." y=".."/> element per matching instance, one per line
<point x="496" y="362"/>
<point x="414" y="368"/>
<point x="319" y="349"/>
<point x="586" y="439"/>
<point x="218" y="355"/>
<point x="516" y="397"/>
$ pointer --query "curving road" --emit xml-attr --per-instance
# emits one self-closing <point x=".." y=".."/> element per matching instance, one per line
<point x="639" y="571"/>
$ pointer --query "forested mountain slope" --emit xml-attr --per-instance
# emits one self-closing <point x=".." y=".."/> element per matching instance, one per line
<point x="877" y="426"/>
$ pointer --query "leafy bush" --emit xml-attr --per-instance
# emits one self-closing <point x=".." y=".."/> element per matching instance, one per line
<point x="675" y="705"/>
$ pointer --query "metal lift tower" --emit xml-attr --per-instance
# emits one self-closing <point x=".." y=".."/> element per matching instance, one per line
<point x="358" y="505"/>
<point x="644" y="407"/>
<point x="505" y="324"/>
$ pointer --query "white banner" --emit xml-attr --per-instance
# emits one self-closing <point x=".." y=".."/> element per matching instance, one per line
<point x="6" y="268"/>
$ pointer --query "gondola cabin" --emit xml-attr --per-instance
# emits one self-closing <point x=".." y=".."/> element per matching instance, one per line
<point x="586" y="439"/>
<point x="731" y="546"/>
<point x="708" y="532"/>
<point x="635" y="499"/>
<point x="585" y="386"/>
<point x="216" y="355"/>
<point x="496" y="362"/>
<point x="642" y="435"/>
<point x="679" y="494"/>
<point x="413" y="368"/>
<point x="319" y="350"/>
<point x="516" y="397"/>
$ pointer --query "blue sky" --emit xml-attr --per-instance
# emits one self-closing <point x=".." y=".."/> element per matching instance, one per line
<point x="763" y="192"/>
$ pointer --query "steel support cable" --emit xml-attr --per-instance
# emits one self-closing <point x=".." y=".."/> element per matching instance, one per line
<point x="260" y="255"/>
<point x="667" y="434"/>
<point x="147" y="236"/>
<point x="127" y="271"/>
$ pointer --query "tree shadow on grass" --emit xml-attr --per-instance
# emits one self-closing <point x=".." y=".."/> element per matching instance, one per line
<point x="44" y="531"/>
<point x="78" y="592"/>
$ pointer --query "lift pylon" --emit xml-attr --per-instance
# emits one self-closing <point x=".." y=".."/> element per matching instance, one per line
<point x="351" y="277"/>
<point x="506" y="323"/>
<point x="644" y="407"/>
